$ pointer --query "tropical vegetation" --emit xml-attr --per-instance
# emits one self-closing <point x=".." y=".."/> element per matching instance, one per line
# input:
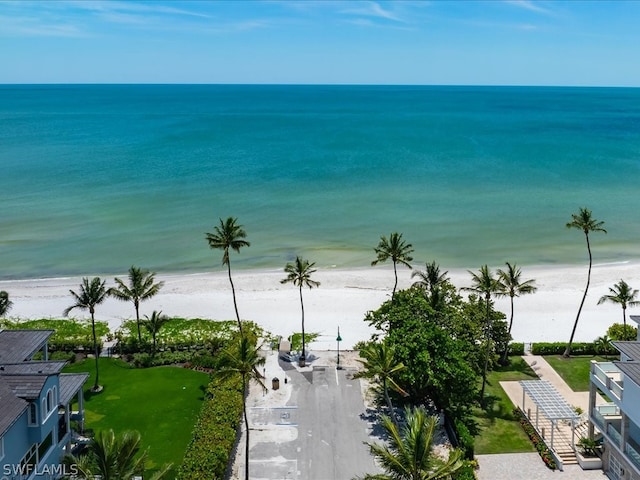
<point x="299" y="273"/>
<point x="90" y="295"/>
<point x="625" y="296"/>
<point x="408" y="453"/>
<point x="583" y="221"/>
<point x="142" y="286"/>
<point x="396" y="249"/>
<point x="228" y="234"/>
<point x="5" y="303"/>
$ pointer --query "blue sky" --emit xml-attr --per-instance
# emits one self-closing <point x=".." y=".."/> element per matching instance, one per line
<point x="455" y="42"/>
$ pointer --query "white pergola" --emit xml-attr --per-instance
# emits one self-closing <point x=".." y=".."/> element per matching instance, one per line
<point x="553" y="405"/>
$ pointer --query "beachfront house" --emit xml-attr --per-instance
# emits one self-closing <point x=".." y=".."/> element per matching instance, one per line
<point x="618" y="421"/>
<point x="37" y="405"/>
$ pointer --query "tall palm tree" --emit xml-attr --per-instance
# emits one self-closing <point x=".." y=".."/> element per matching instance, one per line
<point x="408" y="455"/>
<point x="395" y="249"/>
<point x="142" y="286"/>
<point x="154" y="324"/>
<point x="91" y="294"/>
<point x="586" y="223"/>
<point x="625" y="296"/>
<point x="299" y="273"/>
<point x="485" y="285"/>
<point x="229" y="235"/>
<point x="112" y="457"/>
<point x="243" y="358"/>
<point x="603" y="346"/>
<point x="5" y="303"/>
<point x="380" y="365"/>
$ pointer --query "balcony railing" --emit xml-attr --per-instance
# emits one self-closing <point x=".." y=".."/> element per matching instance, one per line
<point x="610" y="376"/>
<point x="602" y="414"/>
<point x="633" y="455"/>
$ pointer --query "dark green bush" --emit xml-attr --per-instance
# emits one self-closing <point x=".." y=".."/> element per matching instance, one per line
<point x="537" y="441"/>
<point x="516" y="348"/>
<point x="558" y="348"/>
<point x="465" y="439"/>
<point x="214" y="434"/>
<point x="467" y="472"/>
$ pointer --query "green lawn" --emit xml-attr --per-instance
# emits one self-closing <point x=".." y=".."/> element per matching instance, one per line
<point x="162" y="403"/>
<point x="499" y="431"/>
<point x="575" y="370"/>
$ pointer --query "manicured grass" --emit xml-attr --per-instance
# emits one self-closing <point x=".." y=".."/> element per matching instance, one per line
<point x="499" y="430"/>
<point x="162" y="403"/>
<point x="575" y="370"/>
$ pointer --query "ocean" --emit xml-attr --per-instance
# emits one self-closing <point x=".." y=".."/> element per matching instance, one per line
<point x="96" y="178"/>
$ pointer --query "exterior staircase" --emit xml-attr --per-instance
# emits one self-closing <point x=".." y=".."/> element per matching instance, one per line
<point x="568" y="457"/>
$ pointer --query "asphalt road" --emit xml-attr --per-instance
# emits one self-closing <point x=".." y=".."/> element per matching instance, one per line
<point x="331" y="425"/>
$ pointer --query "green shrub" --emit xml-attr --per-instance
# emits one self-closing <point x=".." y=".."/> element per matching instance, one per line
<point x="70" y="335"/>
<point x="465" y="439"/>
<point x="617" y="331"/>
<point x="467" y="471"/>
<point x="516" y="348"/>
<point x="558" y="348"/>
<point x="214" y="434"/>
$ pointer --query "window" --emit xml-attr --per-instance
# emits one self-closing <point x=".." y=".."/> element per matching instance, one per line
<point x="33" y="413"/>
<point x="1" y="448"/>
<point x="49" y="400"/>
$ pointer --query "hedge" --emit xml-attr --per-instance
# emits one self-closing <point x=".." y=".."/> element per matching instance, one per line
<point x="516" y="348"/>
<point x="70" y="335"/>
<point x="214" y="434"/>
<point x="558" y="348"/>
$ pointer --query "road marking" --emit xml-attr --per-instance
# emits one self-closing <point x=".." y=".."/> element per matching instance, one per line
<point x="325" y="442"/>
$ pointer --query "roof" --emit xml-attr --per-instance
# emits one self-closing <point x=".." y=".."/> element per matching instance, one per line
<point x="70" y="383"/>
<point x="12" y="407"/>
<point x="631" y="370"/>
<point x="549" y="400"/>
<point x="19" y="345"/>
<point x="630" y="349"/>
<point x="32" y="368"/>
<point x="635" y="318"/>
<point x="25" y="386"/>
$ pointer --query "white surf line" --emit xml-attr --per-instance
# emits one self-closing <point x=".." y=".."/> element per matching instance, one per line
<point x="337" y="380"/>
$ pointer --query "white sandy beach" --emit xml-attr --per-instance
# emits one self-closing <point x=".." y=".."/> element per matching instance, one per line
<point x="341" y="301"/>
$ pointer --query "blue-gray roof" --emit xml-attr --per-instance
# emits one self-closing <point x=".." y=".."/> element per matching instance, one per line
<point x="12" y="407"/>
<point x="20" y="345"/>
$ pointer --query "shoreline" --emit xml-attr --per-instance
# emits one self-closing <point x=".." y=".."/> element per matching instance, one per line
<point x="342" y="300"/>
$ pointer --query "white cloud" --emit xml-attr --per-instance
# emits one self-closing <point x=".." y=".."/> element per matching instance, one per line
<point x="373" y="9"/>
<point x="529" y="5"/>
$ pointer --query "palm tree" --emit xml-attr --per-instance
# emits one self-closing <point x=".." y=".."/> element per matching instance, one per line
<point x="142" y="286"/>
<point x="625" y="296"/>
<point x="112" y="457"/>
<point x="585" y="222"/>
<point x="408" y="452"/>
<point x="431" y="279"/>
<point x="395" y="249"/>
<point x="229" y="235"/>
<point x="381" y="365"/>
<point x="5" y="303"/>
<point x="154" y="324"/>
<point x="602" y="345"/>
<point x="299" y="273"/>
<point x="511" y="285"/>
<point x="243" y="358"/>
<point x="91" y="294"/>
<point x="485" y="285"/>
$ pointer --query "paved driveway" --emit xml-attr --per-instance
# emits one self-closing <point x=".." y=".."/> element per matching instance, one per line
<point x="319" y="434"/>
<point x="528" y="466"/>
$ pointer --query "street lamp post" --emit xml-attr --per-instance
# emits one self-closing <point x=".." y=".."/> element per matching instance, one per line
<point x="338" y="339"/>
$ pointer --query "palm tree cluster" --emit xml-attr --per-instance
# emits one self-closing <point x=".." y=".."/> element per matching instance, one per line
<point x="141" y="286"/>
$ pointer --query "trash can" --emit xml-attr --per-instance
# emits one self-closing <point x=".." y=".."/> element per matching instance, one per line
<point x="275" y="383"/>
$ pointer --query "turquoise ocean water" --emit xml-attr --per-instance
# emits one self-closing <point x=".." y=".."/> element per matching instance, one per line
<point x="96" y="178"/>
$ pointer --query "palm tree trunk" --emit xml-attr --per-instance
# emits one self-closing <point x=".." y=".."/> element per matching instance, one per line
<point x="137" y="305"/>
<point x="303" y="356"/>
<point x="395" y="285"/>
<point x="506" y="348"/>
<point x="567" y="352"/>
<point x="95" y="350"/>
<point x="233" y="292"/>
<point x="246" y="426"/>
<point x="486" y="357"/>
<point x="388" y="400"/>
